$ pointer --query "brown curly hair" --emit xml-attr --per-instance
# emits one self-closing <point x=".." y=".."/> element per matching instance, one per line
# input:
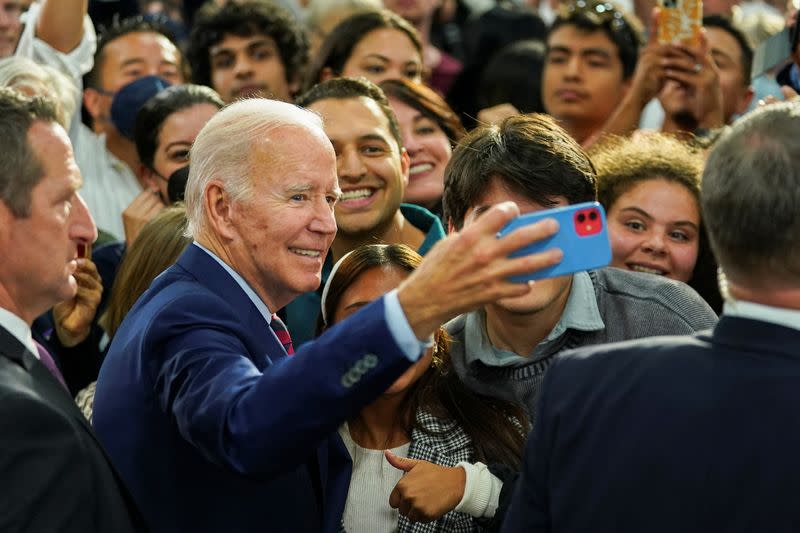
<point x="622" y="163"/>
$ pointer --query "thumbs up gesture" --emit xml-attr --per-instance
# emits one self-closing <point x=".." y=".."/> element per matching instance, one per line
<point x="426" y="491"/>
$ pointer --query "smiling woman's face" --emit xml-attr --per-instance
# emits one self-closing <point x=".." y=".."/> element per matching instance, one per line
<point x="429" y="149"/>
<point x="655" y="227"/>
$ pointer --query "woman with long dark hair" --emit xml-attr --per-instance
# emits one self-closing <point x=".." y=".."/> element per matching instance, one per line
<point x="425" y="415"/>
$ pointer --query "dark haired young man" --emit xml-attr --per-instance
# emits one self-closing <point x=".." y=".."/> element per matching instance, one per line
<point x="504" y="349"/>
<point x="592" y="50"/>
<point x="248" y="48"/>
<point x="695" y="433"/>
<point x="731" y="59"/>
<point x="372" y="168"/>
<point x="698" y="88"/>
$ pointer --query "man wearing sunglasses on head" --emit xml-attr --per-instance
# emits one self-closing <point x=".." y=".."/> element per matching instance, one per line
<point x="592" y="50"/>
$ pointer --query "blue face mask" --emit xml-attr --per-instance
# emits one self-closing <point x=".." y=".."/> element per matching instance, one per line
<point x="129" y="100"/>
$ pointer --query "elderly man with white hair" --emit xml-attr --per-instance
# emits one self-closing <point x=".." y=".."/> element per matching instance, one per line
<point x="210" y="419"/>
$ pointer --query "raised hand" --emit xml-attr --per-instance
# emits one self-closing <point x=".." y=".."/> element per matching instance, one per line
<point x="140" y="211"/>
<point x="471" y="268"/>
<point x="73" y="318"/>
<point x="692" y="69"/>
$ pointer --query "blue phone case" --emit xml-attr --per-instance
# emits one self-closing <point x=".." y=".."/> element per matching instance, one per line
<point x="582" y="236"/>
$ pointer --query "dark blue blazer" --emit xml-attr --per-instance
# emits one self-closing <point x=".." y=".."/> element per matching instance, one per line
<point x="214" y="427"/>
<point x="672" y="434"/>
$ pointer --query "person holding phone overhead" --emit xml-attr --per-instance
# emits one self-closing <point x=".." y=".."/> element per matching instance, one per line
<point x="504" y="349"/>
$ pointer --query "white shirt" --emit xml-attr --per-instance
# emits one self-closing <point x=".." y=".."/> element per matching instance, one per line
<point x="73" y="64"/>
<point x="19" y="329"/>
<point x="367" y="507"/>
<point x="789" y="318"/>
<point x="109" y="185"/>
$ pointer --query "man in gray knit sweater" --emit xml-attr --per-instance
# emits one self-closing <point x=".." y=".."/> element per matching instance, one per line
<point x="504" y="349"/>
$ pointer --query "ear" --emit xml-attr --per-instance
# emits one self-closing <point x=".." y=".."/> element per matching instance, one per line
<point x="219" y="211"/>
<point x="6" y="220"/>
<point x="326" y="74"/>
<point x="147" y="177"/>
<point x="91" y="100"/>
<point x="450" y="227"/>
<point x="405" y="165"/>
<point x="744" y="102"/>
<point x="294" y="85"/>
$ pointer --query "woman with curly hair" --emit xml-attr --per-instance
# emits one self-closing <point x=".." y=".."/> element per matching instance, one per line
<point x="650" y="188"/>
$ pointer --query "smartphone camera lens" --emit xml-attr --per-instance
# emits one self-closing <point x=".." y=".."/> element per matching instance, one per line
<point x="581" y="218"/>
<point x="592" y="215"/>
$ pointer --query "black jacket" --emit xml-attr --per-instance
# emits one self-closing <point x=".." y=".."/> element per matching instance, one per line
<point x="54" y="476"/>
<point x="689" y="434"/>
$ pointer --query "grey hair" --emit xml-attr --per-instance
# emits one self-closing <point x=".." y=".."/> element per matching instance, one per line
<point x="751" y="196"/>
<point x="223" y="147"/>
<point x="42" y="80"/>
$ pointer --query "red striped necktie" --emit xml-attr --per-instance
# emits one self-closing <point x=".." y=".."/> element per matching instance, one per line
<point x="282" y="333"/>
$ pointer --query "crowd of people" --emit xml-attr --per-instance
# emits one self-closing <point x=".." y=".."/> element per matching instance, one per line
<point x="254" y="276"/>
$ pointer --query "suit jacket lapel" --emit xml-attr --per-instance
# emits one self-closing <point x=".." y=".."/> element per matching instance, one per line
<point x="211" y="275"/>
<point x="50" y="388"/>
<point x="49" y="385"/>
<point x="331" y="455"/>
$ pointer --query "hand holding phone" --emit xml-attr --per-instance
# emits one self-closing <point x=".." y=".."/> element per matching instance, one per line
<point x="582" y="237"/>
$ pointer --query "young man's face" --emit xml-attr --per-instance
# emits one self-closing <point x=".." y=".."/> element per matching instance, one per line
<point x="372" y="171"/>
<point x="126" y="59"/>
<point x="736" y="94"/>
<point x="10" y="26"/>
<point x="546" y="293"/>
<point x="582" y="81"/>
<point x="249" y="66"/>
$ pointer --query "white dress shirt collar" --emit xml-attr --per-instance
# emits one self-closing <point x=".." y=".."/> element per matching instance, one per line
<point x="782" y="316"/>
<point x="19" y="329"/>
<point x="248" y="290"/>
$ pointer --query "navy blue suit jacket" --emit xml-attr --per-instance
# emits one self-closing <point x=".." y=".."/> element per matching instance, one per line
<point x="214" y="427"/>
<point x="668" y="434"/>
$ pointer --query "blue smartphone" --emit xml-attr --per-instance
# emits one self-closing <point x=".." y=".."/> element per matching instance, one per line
<point x="582" y="236"/>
